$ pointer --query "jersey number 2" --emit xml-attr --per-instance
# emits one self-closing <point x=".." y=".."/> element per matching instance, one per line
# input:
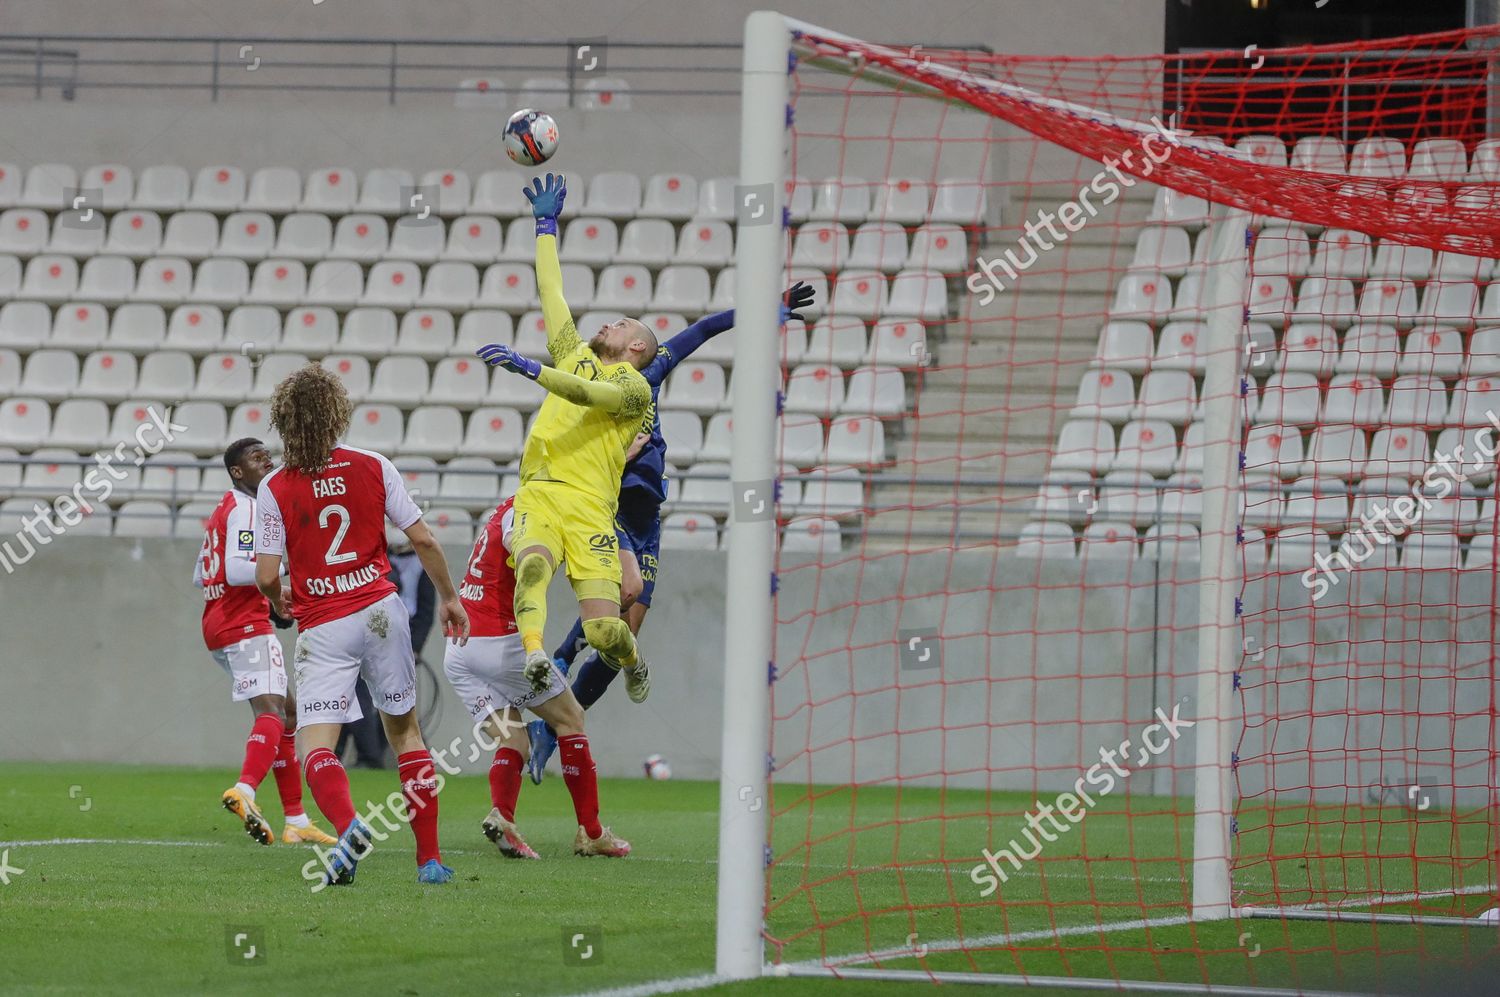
<point x="333" y="556"/>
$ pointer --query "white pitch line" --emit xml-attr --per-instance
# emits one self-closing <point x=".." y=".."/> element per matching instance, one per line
<point x="110" y="841"/>
<point x="673" y="985"/>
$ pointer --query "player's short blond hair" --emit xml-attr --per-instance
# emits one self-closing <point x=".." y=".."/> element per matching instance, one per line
<point x="311" y="410"/>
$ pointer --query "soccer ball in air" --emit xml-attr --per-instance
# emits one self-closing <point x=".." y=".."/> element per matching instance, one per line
<point x="656" y="767"/>
<point x="530" y="137"/>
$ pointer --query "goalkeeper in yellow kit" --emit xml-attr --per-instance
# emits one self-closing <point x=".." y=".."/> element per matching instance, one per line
<point x="597" y="402"/>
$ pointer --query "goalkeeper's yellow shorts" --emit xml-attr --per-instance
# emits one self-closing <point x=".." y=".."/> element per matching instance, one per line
<point x="576" y="528"/>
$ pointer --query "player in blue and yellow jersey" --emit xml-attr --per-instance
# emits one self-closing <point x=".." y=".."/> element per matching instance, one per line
<point x="643" y="489"/>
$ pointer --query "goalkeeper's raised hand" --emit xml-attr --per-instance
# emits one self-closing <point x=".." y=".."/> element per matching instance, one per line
<point x="797" y="297"/>
<point x="500" y="355"/>
<point x="546" y="201"/>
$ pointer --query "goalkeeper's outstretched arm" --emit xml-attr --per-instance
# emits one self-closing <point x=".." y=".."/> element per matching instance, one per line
<point x="562" y="334"/>
<point x="620" y="396"/>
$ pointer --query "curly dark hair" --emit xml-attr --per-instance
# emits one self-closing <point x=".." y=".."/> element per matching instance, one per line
<point x="311" y="410"/>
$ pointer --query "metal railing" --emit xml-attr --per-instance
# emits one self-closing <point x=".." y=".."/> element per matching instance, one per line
<point x="388" y="68"/>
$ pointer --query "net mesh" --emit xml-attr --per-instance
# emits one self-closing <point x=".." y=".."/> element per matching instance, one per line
<point x="993" y="443"/>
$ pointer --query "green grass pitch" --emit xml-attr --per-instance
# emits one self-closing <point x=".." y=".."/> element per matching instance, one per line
<point x="159" y="910"/>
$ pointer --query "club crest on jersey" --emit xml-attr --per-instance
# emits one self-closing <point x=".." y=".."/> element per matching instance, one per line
<point x="245" y="539"/>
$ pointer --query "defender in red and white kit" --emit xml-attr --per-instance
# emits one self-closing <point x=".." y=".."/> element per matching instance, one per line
<point x="489" y="674"/>
<point x="237" y="629"/>
<point x="324" y="512"/>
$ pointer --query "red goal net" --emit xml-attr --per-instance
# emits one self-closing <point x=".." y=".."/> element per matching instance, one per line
<point x="988" y="751"/>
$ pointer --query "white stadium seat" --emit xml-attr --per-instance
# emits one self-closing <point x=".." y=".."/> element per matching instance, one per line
<point x="672" y="196"/>
<point x="401" y="381"/>
<point x="166" y="374"/>
<point x="494" y="432"/>
<point x="305" y="236"/>
<point x="79" y="326"/>
<point x="51" y="375"/>
<point x="279" y="283"/>
<point x="331" y="190"/>
<point x="426" y="332"/>
<point x="136" y="234"/>
<point x="474" y="238"/>
<point x="454" y="190"/>
<point x="459" y="381"/>
<point x="647" y="241"/>
<point x="613" y="195"/>
<point x="352" y="370"/>
<point x="689" y="531"/>
<point x="274" y="189"/>
<point x="680" y="288"/>
<point x="705" y="242"/>
<point x="360" y="237"/>
<point x="417" y="239"/>
<point x="432" y="430"/>
<point x="845" y="199"/>
<point x="218" y="188"/>
<point x="25" y="423"/>
<point x="46" y="186"/>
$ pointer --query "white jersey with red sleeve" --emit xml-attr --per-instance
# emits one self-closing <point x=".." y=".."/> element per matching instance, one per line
<point x="233" y="608"/>
<point x="489" y="586"/>
<point x="330" y="528"/>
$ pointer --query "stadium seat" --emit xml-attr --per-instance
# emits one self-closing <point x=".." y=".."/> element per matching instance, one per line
<point x="647" y="241"/>
<point x="337" y="283"/>
<point x="801" y="441"/>
<point x="671" y="196"/>
<point x="716" y="199"/>
<point x="191" y="235"/>
<point x="1378" y="156"/>
<point x="689" y="531"/>
<point x="1270" y="298"/>
<point x="1291" y="398"/>
<point x="1147" y="446"/>
<point x="961" y="202"/>
<point x="1370" y="348"/>
<point x="1310" y="348"/>
<point x="840" y="341"/>
<point x="1144" y="296"/>
<point x="451" y="527"/>
<point x="53" y="279"/>
<point x="376" y="427"/>
<point x="821" y="245"/>
<point x="1047" y="541"/>
<point x="897" y="342"/>
<point x="1084" y="445"/>
<point x="253" y="419"/>
<point x="520" y="242"/>
<point x="856" y="440"/>
<point x="498" y="193"/>
<point x="1108" y="541"/>
<point x="380" y="191"/>
<point x="420" y="240"/>
<point x="250" y="235"/>
<point x="56" y="473"/>
<point x="1473" y="399"/>
<point x="134" y="234"/>
<point x="459" y="381"/>
<point x="109" y="280"/>
<point x="114" y="181"/>
<point x="192" y="518"/>
<point x="1341" y="253"/>
<point x="590" y="240"/>
<point x="940" y="247"/>
<point x="622" y="287"/>
<point x="494" y="432"/>
<point x="1104" y="394"/>
<point x="219" y="189"/>
<point x="511" y="286"/>
<point x="718" y="439"/>
<point x="1129" y="497"/>
<point x="705" y="488"/>
<point x="481" y="93"/>
<point x="1353" y="399"/>
<point x="578" y="286"/>
<point x="1317" y="502"/>
<point x="367" y="332"/>
<point x="274" y="189"/>
<point x="273" y="370"/>
<point x="474" y="239"/>
<point x="863" y="294"/>
<point x="304" y="236"/>
<point x="425" y="332"/>
<point x="683" y="432"/>
<point x="470" y="482"/>
<point x="1281" y="251"/>
<point x="531" y="336"/>
<point x="1319" y="154"/>
<point x="432" y="430"/>
<point x="143" y="519"/>
<point x="1461" y="267"/>
<point x="923" y="293"/>
<point x="23" y="232"/>
<point x="1179" y="348"/>
<point x="221" y="281"/>
<point x="1168" y="395"/>
<point x="902" y="200"/>
<point x="604" y="93"/>
<point x="279" y="283"/>
<point x="450" y="285"/>
<point x="878" y="246"/>
<point x="310" y="330"/>
<point x="1267" y="150"/>
<point x="1124" y="346"/>
<point x="1273" y="449"/>
<point x="25" y="423"/>
<point x="135" y="328"/>
<point x="353" y="371"/>
<point x="1454" y="508"/>
<point x="478" y="327"/>
<point x="696" y="386"/>
<point x="454" y="190"/>
<point x="705" y="242"/>
<point x="1170" y="207"/>
<point x="1416" y="400"/>
<point x="1162" y="248"/>
<point x="25" y="325"/>
<point x="810" y="535"/>
<point x="51" y="375"/>
<point x="613" y="195"/>
<point x="1391" y="301"/>
<point x="79" y="326"/>
<point x="680" y="288"/>
<point x="72" y="236"/>
<point x="723" y="298"/>
<point x="196" y="329"/>
<point x="1334" y="451"/>
<point x="1433" y="349"/>
<point x="401" y="381"/>
<point x="1065" y="496"/>
<point x="814" y="388"/>
<point x="10" y="372"/>
<point x="1440" y="159"/>
<point x="360" y="237"/>
<point x="1454" y="303"/>
<point x="1432" y="551"/>
<point x="81" y="424"/>
<point x="206" y="425"/>
<point x="1395" y="261"/>
<point x="844" y="199"/>
<point x="46" y="186"/>
<point x="1326" y="299"/>
<point x="161" y="188"/>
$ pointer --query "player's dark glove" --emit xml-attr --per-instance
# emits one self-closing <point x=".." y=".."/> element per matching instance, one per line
<point x="281" y="622"/>
<point x="547" y="201"/>
<point x="798" y="296"/>
<point x="500" y="355"/>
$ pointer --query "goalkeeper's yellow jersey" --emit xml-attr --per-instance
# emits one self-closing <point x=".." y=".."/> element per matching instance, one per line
<point x="580" y="445"/>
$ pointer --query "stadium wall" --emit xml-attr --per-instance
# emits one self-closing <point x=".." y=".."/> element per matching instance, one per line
<point x="100" y="630"/>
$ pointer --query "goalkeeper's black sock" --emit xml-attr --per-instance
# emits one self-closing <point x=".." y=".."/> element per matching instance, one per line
<point x="594" y="676"/>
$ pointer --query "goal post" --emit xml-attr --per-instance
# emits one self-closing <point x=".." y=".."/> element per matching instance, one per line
<point x="1034" y="497"/>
